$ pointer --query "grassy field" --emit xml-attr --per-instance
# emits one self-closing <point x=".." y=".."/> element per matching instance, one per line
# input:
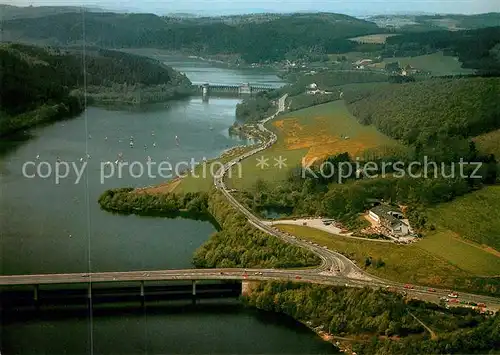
<point x="467" y="256"/>
<point x="489" y="143"/>
<point x="407" y="263"/>
<point x="436" y="64"/>
<point x="201" y="180"/>
<point x="403" y="263"/>
<point x="305" y="135"/>
<point x="474" y="217"/>
<point x="373" y="39"/>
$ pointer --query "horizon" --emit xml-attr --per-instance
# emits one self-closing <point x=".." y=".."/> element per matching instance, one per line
<point x="230" y="8"/>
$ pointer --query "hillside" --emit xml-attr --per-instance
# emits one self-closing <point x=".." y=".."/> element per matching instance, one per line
<point x="476" y="49"/>
<point x="40" y="85"/>
<point x="255" y="41"/>
<point x="420" y="113"/>
<point x="461" y="21"/>
<point x="9" y="12"/>
<point x="422" y="23"/>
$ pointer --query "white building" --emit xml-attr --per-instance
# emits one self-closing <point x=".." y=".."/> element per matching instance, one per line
<point x="390" y="218"/>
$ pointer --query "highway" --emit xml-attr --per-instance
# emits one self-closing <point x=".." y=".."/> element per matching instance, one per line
<point x="335" y="268"/>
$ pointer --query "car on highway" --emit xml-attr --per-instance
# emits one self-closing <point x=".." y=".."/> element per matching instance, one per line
<point x="431" y="290"/>
<point x="453" y="295"/>
<point x="409" y="287"/>
<point x="85" y="275"/>
<point x="298" y="277"/>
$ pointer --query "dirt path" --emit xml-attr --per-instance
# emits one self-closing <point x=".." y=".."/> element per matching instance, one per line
<point x="318" y="224"/>
<point x="431" y="332"/>
<point x="163" y="188"/>
<point x="482" y="247"/>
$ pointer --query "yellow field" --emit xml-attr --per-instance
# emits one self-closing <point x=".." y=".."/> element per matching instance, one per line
<point x="489" y="143"/>
<point x="324" y="136"/>
<point x="373" y="39"/>
<point x="312" y="133"/>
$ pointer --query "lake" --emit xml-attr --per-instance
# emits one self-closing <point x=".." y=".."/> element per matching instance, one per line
<point x="54" y="227"/>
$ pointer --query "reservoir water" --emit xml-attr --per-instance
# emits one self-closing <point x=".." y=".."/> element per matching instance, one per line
<point x="53" y="227"/>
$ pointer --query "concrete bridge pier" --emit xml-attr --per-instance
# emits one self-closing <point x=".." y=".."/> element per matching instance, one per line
<point x="205" y="92"/>
<point x="142" y="293"/>
<point x="193" y="294"/>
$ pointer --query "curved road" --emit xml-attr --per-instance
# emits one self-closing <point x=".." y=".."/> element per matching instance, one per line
<point x="335" y="267"/>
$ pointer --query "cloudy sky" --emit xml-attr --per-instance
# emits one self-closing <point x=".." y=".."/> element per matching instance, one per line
<point x="352" y="7"/>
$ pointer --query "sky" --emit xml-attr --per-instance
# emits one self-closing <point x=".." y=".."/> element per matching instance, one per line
<point x="225" y="7"/>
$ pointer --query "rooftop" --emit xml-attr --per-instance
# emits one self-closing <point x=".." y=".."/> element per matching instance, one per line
<point x="383" y="211"/>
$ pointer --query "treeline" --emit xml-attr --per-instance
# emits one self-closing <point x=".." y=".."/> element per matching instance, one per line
<point x="329" y="80"/>
<point x="373" y="316"/>
<point x="239" y="244"/>
<point x="32" y="90"/>
<point x="128" y="201"/>
<point x="301" y="101"/>
<point x="339" y="188"/>
<point x="273" y="40"/>
<point x="45" y="84"/>
<point x="235" y="244"/>
<point x="476" y="49"/>
<point x="258" y="107"/>
<point x="429" y="112"/>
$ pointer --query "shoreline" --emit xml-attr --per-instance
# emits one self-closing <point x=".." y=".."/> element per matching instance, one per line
<point x="338" y="342"/>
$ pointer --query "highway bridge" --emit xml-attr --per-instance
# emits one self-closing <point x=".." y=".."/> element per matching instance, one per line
<point x="207" y="89"/>
<point x="335" y="268"/>
<point x="96" y="282"/>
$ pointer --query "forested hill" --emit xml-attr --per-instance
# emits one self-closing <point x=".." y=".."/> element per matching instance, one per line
<point x="476" y="49"/>
<point x="39" y="84"/>
<point x="433" y="111"/>
<point x="254" y="41"/>
<point x="9" y="12"/>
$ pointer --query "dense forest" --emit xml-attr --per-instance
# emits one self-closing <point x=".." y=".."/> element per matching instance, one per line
<point x="45" y="84"/>
<point x="258" y="107"/>
<point x="328" y="79"/>
<point x="432" y="112"/>
<point x="476" y="49"/>
<point x="126" y="201"/>
<point x="239" y="244"/>
<point x="315" y="195"/>
<point x="33" y="90"/>
<point x="255" y="41"/>
<point x="382" y="322"/>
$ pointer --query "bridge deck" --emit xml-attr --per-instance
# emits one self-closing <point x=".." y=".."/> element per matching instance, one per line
<point x="159" y="275"/>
